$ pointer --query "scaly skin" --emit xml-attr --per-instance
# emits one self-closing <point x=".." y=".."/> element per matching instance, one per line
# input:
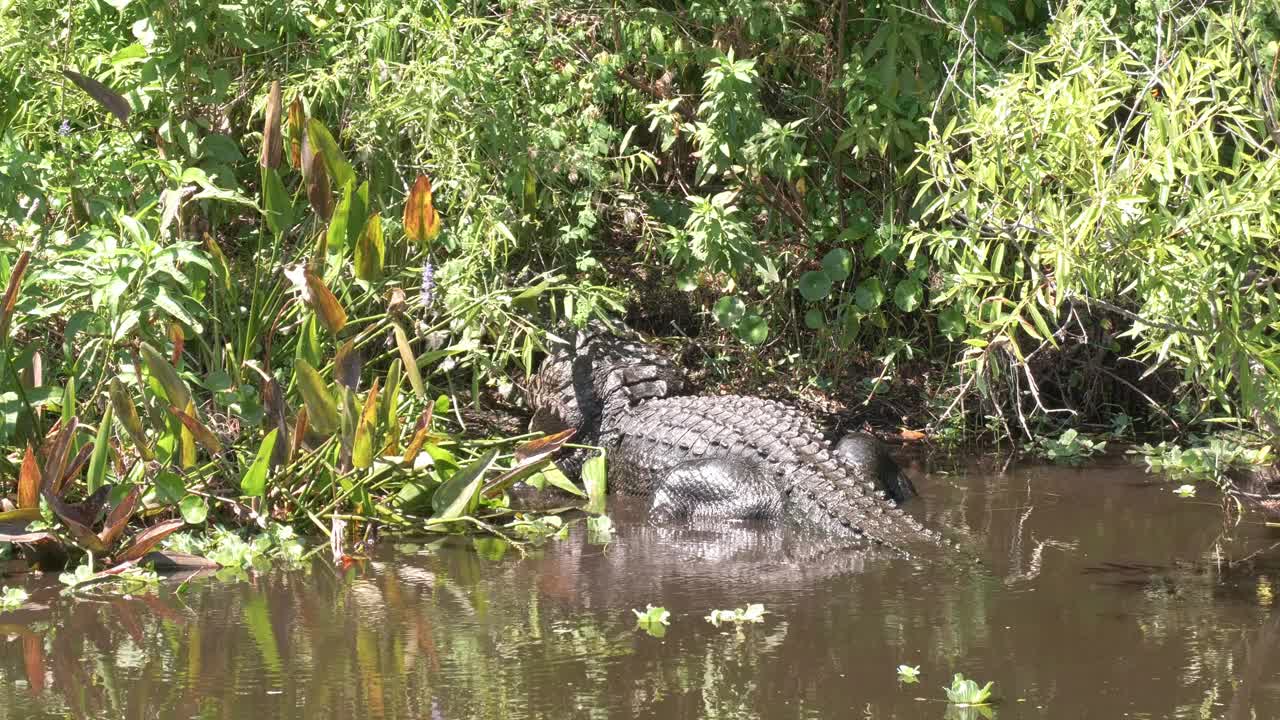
<point x="710" y="457"/>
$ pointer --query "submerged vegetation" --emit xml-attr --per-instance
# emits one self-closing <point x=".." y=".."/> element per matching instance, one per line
<point x="286" y="262"/>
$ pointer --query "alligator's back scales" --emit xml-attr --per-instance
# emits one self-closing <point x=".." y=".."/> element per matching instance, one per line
<point x="713" y="457"/>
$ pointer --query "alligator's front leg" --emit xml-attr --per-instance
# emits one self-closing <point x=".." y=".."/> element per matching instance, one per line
<point x="718" y="488"/>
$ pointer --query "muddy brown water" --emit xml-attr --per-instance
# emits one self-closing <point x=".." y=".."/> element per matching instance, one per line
<point x="1101" y="595"/>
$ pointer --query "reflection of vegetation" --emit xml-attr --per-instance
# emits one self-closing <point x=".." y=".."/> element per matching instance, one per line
<point x="964" y="691"/>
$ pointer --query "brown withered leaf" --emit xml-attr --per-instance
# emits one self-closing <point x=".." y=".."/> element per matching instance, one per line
<point x="319" y="192"/>
<point x="76" y="466"/>
<point x="420" y="432"/>
<point x="202" y="434"/>
<point x="68" y="516"/>
<point x="119" y="516"/>
<point x="11" y="293"/>
<point x="528" y="456"/>
<point x="149" y="538"/>
<point x="297" y="129"/>
<point x="56" y="461"/>
<point x="29" y="481"/>
<point x="113" y="101"/>
<point x="272" y="142"/>
<point x="347" y="363"/>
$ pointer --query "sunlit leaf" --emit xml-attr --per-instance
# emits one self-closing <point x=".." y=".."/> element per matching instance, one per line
<point x="113" y="101"/>
<point x="127" y="414"/>
<point x="149" y="538"/>
<point x="729" y="311"/>
<point x="363" y="447"/>
<point x="277" y="207"/>
<point x="175" y="389"/>
<point x="325" y="303"/>
<point x="297" y="128"/>
<point x="410" y="362"/>
<point x="119" y="516"/>
<point x="319" y="193"/>
<point x="322" y="411"/>
<point x="837" y="264"/>
<point x="254" y="482"/>
<point x="528" y="456"/>
<point x="198" y="430"/>
<point x="323" y="144"/>
<point x="420" y="432"/>
<point x="370" y="250"/>
<point x="593" y="477"/>
<point x="29" y="481"/>
<point x="421" y="221"/>
<point x="456" y="495"/>
<point x="101" y="444"/>
<point x="272" y="142"/>
<point x="194" y="509"/>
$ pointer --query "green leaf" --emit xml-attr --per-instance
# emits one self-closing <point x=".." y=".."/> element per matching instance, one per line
<point x="753" y="330"/>
<point x="175" y="389"/>
<point x="815" y="285"/>
<point x="321" y="408"/>
<point x="254" y="482"/>
<point x="907" y="294"/>
<point x="687" y="281"/>
<point x="838" y="264"/>
<point x="324" y="145"/>
<point x="169" y="487"/>
<point x="370" y="251"/>
<point x="593" y="477"/>
<point x="729" y="310"/>
<point x="951" y="323"/>
<point x="277" y="207"/>
<point x="814" y="319"/>
<point x="98" y="461"/>
<point x="555" y="477"/>
<point x="457" y="495"/>
<point x="870" y="294"/>
<point x="194" y="509"/>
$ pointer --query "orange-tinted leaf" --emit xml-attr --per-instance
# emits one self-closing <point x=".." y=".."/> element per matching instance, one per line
<point x="29" y="481"/>
<point x="326" y="304"/>
<point x="198" y="430"/>
<point x="33" y="662"/>
<point x="420" y="432"/>
<point x="119" y="517"/>
<point x="912" y="435"/>
<point x="299" y="432"/>
<point x="421" y="221"/>
<point x="179" y="340"/>
<point x="11" y="293"/>
<point x="272" y="142"/>
<point x="149" y="538"/>
<point x="113" y="101"/>
<point x="370" y="250"/>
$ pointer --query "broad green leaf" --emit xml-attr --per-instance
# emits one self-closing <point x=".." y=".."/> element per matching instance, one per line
<point x="410" y="362"/>
<point x="593" y="477"/>
<point x="555" y="477"/>
<point x="254" y="482"/>
<point x="322" y="411"/>
<point x="127" y="415"/>
<point x="870" y="294"/>
<point x="907" y="294"/>
<point x="753" y="330"/>
<point x="815" y="285"/>
<point x="194" y="509"/>
<point x="277" y="206"/>
<point x="370" y="251"/>
<point x="837" y="264"/>
<point x="729" y="310"/>
<point x="323" y="144"/>
<point x="175" y="389"/>
<point x="363" y="449"/>
<point x="457" y="495"/>
<point x="814" y="319"/>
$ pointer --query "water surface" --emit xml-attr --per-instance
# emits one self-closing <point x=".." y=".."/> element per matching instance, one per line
<point x="1100" y="595"/>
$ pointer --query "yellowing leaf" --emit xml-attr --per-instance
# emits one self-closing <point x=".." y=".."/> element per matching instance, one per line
<point x="326" y="305"/>
<point x="363" y="447"/>
<point x="370" y="250"/>
<point x="197" y="429"/>
<point x="297" y="119"/>
<point x="29" y="481"/>
<point x="322" y="411"/>
<point x="421" y="221"/>
<point x="175" y="390"/>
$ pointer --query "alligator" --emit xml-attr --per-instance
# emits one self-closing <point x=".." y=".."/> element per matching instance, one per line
<point x="716" y="458"/>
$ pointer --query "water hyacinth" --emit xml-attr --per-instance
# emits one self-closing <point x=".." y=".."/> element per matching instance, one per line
<point x="65" y="128"/>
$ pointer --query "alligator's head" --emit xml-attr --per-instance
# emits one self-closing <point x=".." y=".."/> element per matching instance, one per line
<point x="593" y="375"/>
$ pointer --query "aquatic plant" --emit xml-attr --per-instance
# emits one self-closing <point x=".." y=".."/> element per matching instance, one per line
<point x="1069" y="448"/>
<point x="909" y="674"/>
<point x="653" y="620"/>
<point x="753" y="613"/>
<point x="12" y="598"/>
<point x="966" y="692"/>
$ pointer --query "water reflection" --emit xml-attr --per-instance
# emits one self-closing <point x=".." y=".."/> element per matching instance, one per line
<point x="1101" y="595"/>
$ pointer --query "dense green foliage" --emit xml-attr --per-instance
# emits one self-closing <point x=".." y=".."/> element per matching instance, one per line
<point x="1007" y="219"/>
